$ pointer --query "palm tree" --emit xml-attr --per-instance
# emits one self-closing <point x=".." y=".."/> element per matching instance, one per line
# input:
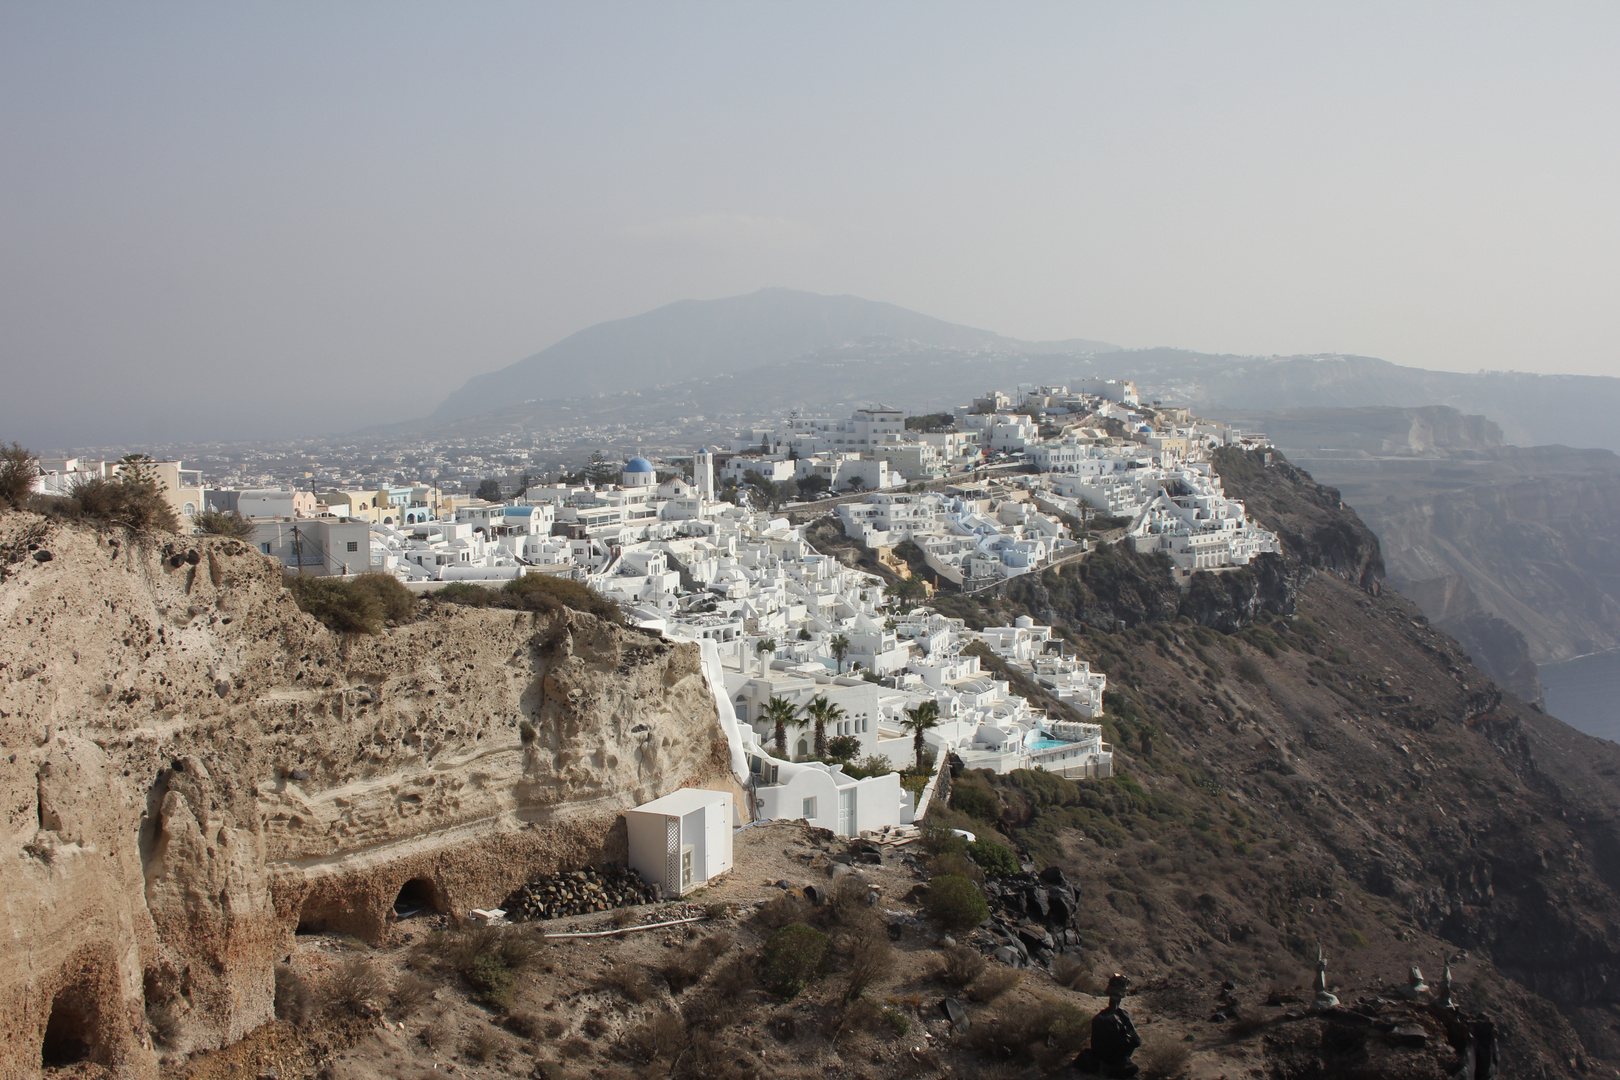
<point x="822" y="712"/>
<point x="780" y="712"/>
<point x="839" y="644"/>
<point x="920" y="719"/>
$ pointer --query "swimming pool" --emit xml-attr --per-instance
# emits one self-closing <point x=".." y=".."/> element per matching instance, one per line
<point x="1048" y="744"/>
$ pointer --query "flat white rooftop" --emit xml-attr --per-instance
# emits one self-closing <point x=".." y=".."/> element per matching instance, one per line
<point x="680" y="803"/>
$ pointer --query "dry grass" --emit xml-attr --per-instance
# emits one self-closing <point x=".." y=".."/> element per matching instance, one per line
<point x="871" y="958"/>
<point x="1163" y="1057"/>
<point x="488" y="958"/>
<point x="851" y="904"/>
<point x="955" y="865"/>
<point x="294" y="1002"/>
<point x="733" y="978"/>
<point x="962" y="965"/>
<point x="1067" y="971"/>
<point x="526" y="1025"/>
<point x="1047" y="1031"/>
<point x="687" y="966"/>
<point x="484" y="1044"/>
<point x="165" y="1022"/>
<point x="993" y="983"/>
<point x="629" y="981"/>
<point x="357" y="987"/>
<point x="411" y="992"/>
<point x="439" y="1033"/>
<point x="784" y="910"/>
<point x="659" y="1039"/>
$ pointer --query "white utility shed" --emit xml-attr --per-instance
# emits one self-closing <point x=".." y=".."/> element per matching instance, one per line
<point x="681" y="841"/>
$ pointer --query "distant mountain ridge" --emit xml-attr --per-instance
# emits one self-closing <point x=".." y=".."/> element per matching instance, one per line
<point x="693" y="339"/>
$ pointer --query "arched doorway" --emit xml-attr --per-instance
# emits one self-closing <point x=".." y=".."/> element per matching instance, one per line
<point x="417" y="896"/>
<point x="71" y="1032"/>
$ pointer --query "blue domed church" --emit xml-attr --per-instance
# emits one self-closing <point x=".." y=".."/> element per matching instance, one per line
<point x="638" y="473"/>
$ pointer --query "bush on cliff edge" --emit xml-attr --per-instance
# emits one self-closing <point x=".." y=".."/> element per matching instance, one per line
<point x="534" y="592"/>
<point x="359" y="605"/>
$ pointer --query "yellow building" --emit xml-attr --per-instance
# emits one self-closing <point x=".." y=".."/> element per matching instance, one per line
<point x="369" y="506"/>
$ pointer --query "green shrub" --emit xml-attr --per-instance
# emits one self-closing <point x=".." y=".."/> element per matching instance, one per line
<point x="870" y="765"/>
<point x="492" y="982"/>
<point x="546" y="592"/>
<point x="534" y="592"/>
<point x="957" y="864"/>
<point x="352" y="605"/>
<point x="938" y="839"/>
<point x="898" y="1022"/>
<point x="334" y="605"/>
<point x="488" y="958"/>
<point x="972" y="795"/>
<point x="398" y="603"/>
<point x="466" y="594"/>
<point x="224" y="523"/>
<point x="18" y="470"/>
<point x="843" y="748"/>
<point x="792" y="957"/>
<point x="996" y="860"/>
<point x="955" y="902"/>
<point x="1249" y="670"/>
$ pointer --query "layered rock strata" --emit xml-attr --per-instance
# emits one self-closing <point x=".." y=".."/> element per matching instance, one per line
<point x="194" y="771"/>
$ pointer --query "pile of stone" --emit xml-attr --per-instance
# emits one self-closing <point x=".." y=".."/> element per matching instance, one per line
<point x="1033" y="917"/>
<point x="577" y="892"/>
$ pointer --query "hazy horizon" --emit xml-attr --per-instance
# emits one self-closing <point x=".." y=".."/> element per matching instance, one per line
<point x="250" y="221"/>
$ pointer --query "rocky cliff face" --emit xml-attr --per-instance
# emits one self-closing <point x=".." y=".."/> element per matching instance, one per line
<point x="194" y="770"/>
<point x="1514" y="551"/>
<point x="1339" y="777"/>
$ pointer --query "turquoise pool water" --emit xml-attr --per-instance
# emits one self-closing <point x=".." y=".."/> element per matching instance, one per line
<point x="1048" y="744"/>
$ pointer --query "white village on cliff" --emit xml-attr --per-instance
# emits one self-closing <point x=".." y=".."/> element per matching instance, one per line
<point x="838" y="689"/>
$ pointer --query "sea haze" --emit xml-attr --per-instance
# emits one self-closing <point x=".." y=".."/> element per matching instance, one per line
<point x="1585" y="694"/>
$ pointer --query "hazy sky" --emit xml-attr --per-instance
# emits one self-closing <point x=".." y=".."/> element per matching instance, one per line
<point x="239" y="219"/>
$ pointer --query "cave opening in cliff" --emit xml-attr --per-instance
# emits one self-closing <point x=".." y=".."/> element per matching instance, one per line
<point x="69" y="1032"/>
<point x="416" y="897"/>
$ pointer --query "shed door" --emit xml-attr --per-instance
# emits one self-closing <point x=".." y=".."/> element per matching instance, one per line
<point x="672" y="857"/>
<point x="846" y="812"/>
<point x="716" y="830"/>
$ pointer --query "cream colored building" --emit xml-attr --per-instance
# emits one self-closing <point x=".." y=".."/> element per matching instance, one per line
<point x="369" y="506"/>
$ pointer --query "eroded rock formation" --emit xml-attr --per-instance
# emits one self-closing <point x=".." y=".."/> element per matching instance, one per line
<point x="193" y="770"/>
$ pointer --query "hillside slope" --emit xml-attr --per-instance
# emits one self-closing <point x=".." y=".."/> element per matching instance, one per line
<point x="1515" y="551"/>
<point x="1341" y="775"/>
<point x="195" y="770"/>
